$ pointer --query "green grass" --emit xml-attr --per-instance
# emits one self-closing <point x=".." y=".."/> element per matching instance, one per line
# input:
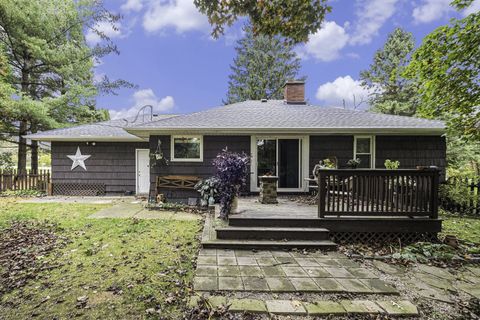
<point x="464" y="228"/>
<point x="149" y="260"/>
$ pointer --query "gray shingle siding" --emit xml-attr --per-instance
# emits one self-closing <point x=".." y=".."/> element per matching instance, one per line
<point x="322" y="147"/>
<point x="411" y="151"/>
<point x="212" y="145"/>
<point x="111" y="163"/>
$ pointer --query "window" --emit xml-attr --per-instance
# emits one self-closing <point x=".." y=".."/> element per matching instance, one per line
<point x="364" y="149"/>
<point x="187" y="148"/>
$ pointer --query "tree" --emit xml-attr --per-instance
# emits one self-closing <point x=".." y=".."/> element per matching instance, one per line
<point x="390" y="91"/>
<point x="463" y="156"/>
<point x="262" y="66"/>
<point x="447" y="66"/>
<point x="294" y="20"/>
<point x="51" y="65"/>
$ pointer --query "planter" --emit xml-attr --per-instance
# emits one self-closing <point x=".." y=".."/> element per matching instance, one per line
<point x="234" y="208"/>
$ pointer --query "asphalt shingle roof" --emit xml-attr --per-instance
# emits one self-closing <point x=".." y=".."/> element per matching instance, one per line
<point x="112" y="129"/>
<point x="276" y="114"/>
<point x="245" y="116"/>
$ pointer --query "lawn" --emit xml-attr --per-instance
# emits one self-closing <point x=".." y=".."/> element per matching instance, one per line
<point x="464" y="228"/>
<point x="108" y="269"/>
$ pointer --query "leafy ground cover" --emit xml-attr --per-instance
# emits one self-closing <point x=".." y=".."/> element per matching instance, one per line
<point x="103" y="269"/>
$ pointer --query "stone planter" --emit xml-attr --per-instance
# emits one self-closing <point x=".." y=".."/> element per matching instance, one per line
<point x="268" y="189"/>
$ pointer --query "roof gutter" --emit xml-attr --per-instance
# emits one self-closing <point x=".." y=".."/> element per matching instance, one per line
<point x="85" y="138"/>
<point x="145" y="133"/>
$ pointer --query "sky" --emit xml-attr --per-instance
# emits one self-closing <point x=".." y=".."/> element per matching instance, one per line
<point x="167" y="51"/>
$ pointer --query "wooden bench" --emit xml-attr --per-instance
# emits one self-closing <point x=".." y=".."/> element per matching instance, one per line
<point x="177" y="182"/>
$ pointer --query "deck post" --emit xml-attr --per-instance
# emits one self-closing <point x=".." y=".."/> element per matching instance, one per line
<point x="321" y="194"/>
<point x="435" y="183"/>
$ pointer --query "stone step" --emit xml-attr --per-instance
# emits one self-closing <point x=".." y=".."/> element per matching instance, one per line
<point x="268" y="244"/>
<point x="272" y="233"/>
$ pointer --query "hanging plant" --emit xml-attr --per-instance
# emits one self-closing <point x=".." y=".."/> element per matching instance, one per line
<point x="157" y="157"/>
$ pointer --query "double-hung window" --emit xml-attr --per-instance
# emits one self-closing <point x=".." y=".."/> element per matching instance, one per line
<point x="187" y="148"/>
<point x="364" y="149"/>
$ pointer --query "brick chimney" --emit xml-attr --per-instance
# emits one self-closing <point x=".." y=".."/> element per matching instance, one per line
<point x="294" y="92"/>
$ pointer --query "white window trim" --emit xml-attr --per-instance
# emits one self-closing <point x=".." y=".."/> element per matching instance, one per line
<point x="372" y="149"/>
<point x="172" y="149"/>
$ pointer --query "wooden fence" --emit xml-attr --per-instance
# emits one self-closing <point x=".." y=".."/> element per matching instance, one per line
<point x="461" y="196"/>
<point x="12" y="180"/>
<point x="364" y="192"/>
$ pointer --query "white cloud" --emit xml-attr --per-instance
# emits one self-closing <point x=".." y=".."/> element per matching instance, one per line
<point x="342" y="88"/>
<point x="109" y="30"/>
<point x="371" y="15"/>
<point x="431" y="10"/>
<point x="474" y="7"/>
<point x="141" y="98"/>
<point x="132" y="5"/>
<point x="325" y="44"/>
<point x="181" y="15"/>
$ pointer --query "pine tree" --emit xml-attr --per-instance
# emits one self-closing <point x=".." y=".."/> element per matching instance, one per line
<point x="390" y="91"/>
<point x="262" y="66"/>
<point x="51" y="65"/>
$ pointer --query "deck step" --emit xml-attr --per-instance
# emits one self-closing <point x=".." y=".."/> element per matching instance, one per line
<point x="269" y="244"/>
<point x="272" y="233"/>
<point x="239" y="221"/>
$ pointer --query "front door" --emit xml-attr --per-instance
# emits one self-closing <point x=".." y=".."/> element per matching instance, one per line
<point x="280" y="157"/>
<point x="143" y="171"/>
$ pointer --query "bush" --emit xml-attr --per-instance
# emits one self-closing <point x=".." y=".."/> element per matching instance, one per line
<point x="457" y="196"/>
<point x="232" y="172"/>
<point x="208" y="189"/>
<point x="22" y="193"/>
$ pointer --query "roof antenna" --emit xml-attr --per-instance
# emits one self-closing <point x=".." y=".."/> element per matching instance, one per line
<point x="144" y="114"/>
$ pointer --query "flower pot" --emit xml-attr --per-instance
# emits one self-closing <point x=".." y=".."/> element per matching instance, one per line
<point x="234" y="208"/>
<point x="211" y="201"/>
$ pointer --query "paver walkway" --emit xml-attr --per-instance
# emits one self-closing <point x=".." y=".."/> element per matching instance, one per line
<point x="342" y="307"/>
<point x="281" y="271"/>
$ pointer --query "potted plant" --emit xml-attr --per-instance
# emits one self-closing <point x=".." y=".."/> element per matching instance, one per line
<point x="232" y="171"/>
<point x="392" y="165"/>
<point x="353" y="163"/>
<point x="208" y="189"/>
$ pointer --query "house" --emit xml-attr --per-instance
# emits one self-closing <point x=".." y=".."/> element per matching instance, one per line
<point x="284" y="137"/>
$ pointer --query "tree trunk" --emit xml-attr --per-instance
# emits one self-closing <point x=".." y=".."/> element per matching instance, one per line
<point x="22" y="148"/>
<point x="33" y="151"/>
<point x="34" y="156"/>
<point x="22" y="129"/>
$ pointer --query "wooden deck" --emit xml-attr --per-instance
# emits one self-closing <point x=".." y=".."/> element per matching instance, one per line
<point x="352" y="206"/>
<point x="293" y="214"/>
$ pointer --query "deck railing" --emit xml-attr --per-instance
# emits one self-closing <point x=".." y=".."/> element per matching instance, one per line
<point x="12" y="180"/>
<point x="372" y="192"/>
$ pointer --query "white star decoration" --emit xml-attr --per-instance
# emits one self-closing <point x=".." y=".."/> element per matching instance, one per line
<point x="79" y="159"/>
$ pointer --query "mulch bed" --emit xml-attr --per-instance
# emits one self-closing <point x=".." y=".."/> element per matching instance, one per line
<point x="23" y="250"/>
